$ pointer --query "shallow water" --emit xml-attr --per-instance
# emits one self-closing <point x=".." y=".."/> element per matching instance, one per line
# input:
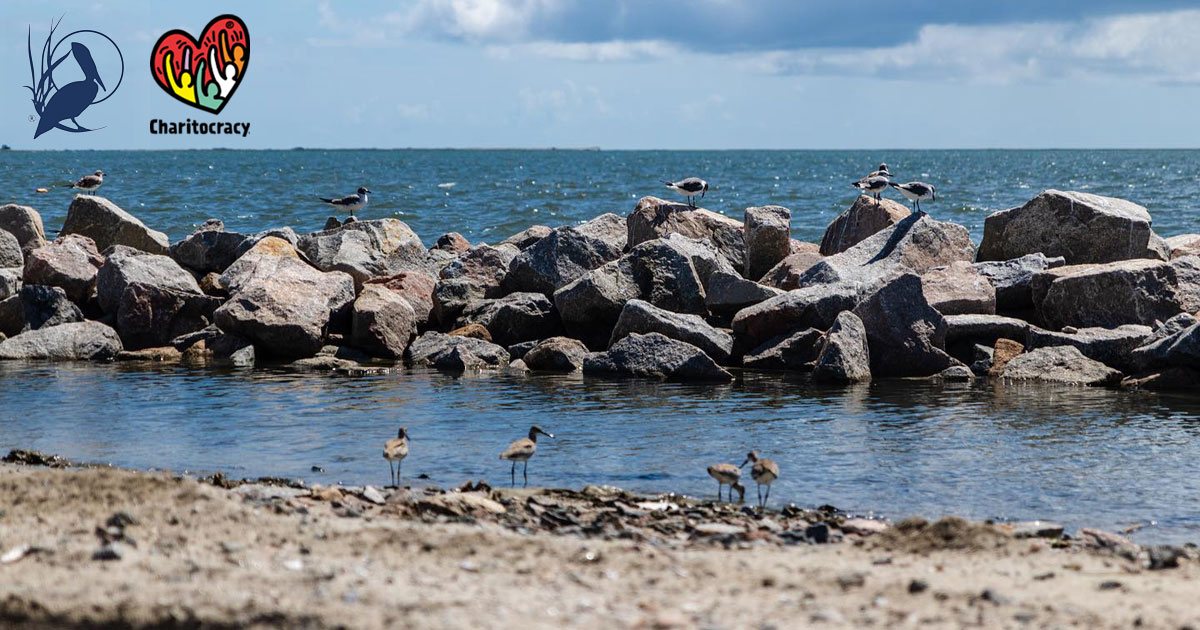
<point x="1082" y="456"/>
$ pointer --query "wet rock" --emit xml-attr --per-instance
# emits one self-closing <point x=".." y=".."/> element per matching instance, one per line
<point x="563" y="256"/>
<point x="452" y="242"/>
<point x="414" y="286"/>
<point x="1112" y="347"/>
<point x="655" y="355"/>
<point x="10" y="250"/>
<point x="858" y="222"/>
<point x="1059" y="364"/>
<point x="1177" y="342"/>
<point x="1112" y="294"/>
<point x="476" y="274"/>
<point x="382" y="322"/>
<point x="1005" y="350"/>
<point x="76" y="341"/>
<point x="455" y="353"/>
<point x="518" y="350"/>
<point x="767" y="237"/>
<point x="153" y="298"/>
<point x="288" y="313"/>
<point x="810" y="307"/>
<point x="959" y="289"/>
<point x="794" y="351"/>
<point x="257" y="263"/>
<point x="525" y="239"/>
<point x="556" y="354"/>
<point x="786" y="275"/>
<point x="656" y="218"/>
<point x="727" y="293"/>
<point x="106" y="224"/>
<point x="44" y="306"/>
<point x="365" y="249"/>
<point x="210" y="248"/>
<point x="459" y="504"/>
<point x="231" y="350"/>
<point x="1164" y="379"/>
<point x="24" y="223"/>
<point x="474" y="331"/>
<point x="985" y="329"/>
<point x="1159" y="557"/>
<point x="956" y="374"/>
<point x="1012" y="278"/>
<point x="1081" y="227"/>
<point x="639" y="316"/>
<point x="164" y="354"/>
<point x="12" y="315"/>
<point x="1036" y="529"/>
<point x="906" y="336"/>
<point x="70" y="263"/>
<point x="10" y="282"/>
<point x="514" y="318"/>
<point x="863" y="526"/>
<point x="845" y="356"/>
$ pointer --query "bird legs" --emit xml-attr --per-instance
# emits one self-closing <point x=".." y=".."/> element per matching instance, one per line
<point x="392" y="470"/>
<point x="525" y="474"/>
<point x="513" y="474"/>
<point x="762" y="501"/>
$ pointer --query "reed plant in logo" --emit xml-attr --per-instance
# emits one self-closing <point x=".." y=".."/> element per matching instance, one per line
<point x="54" y="102"/>
<point x="204" y="72"/>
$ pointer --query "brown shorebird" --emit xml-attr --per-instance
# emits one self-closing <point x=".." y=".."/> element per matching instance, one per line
<point x="726" y="474"/>
<point x="521" y="451"/>
<point x="764" y="472"/>
<point x="395" y="450"/>
<point x="89" y="183"/>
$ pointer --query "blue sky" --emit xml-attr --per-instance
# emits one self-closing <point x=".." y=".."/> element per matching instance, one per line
<point x="669" y="74"/>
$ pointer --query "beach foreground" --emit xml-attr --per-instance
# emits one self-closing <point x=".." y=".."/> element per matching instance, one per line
<point x="87" y="547"/>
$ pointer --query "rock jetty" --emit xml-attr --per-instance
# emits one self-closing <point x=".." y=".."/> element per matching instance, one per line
<point x="1068" y="288"/>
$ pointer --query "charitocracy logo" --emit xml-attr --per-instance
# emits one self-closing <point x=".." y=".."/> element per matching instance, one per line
<point x="56" y="104"/>
<point x="203" y="73"/>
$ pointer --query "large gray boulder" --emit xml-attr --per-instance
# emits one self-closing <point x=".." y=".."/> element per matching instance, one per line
<point x="642" y="317"/>
<point x="657" y="356"/>
<point x="563" y="256"/>
<point x="476" y="274"/>
<point x="288" y="313"/>
<point x="1109" y="295"/>
<point x="786" y="275"/>
<point x="1111" y="346"/>
<point x="454" y="353"/>
<point x="70" y="263"/>
<point x="24" y="223"/>
<point x="258" y="262"/>
<point x="125" y="267"/>
<point x="814" y="306"/>
<point x="366" y="249"/>
<point x="666" y="277"/>
<point x="607" y="227"/>
<point x="210" y="249"/>
<point x="10" y="250"/>
<point x="556" y="354"/>
<point x="76" y="341"/>
<point x="767" y="235"/>
<point x="727" y="293"/>
<point x="153" y="298"/>
<point x="906" y="336"/>
<point x="845" y="356"/>
<point x="43" y="306"/>
<point x="1059" y="364"/>
<point x="705" y="258"/>
<point x="984" y="329"/>
<point x="415" y="287"/>
<point x="1012" y="278"/>
<point x="959" y="289"/>
<point x="525" y="239"/>
<point x="106" y="224"/>
<point x="382" y="322"/>
<point x="513" y="318"/>
<point x="657" y="218"/>
<point x="10" y="281"/>
<point x="794" y="351"/>
<point x="862" y="219"/>
<point x="1174" y="344"/>
<point x="1081" y="227"/>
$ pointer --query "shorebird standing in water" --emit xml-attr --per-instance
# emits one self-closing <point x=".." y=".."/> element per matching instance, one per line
<point x="689" y="188"/>
<point x="521" y="451"/>
<point x="764" y="472"/>
<point x="916" y="192"/>
<point x="354" y="202"/>
<point x="730" y="475"/>
<point x="89" y="183"/>
<point x="395" y="450"/>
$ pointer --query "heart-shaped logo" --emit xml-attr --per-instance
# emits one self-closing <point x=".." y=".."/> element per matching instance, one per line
<point x="203" y="73"/>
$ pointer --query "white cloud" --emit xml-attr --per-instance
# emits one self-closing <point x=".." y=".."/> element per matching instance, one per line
<point x="1158" y="47"/>
<point x="562" y="103"/>
<point x="618" y="50"/>
<point x="473" y="20"/>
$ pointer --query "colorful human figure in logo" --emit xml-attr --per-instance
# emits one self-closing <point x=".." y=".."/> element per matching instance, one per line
<point x="237" y="54"/>
<point x="184" y="88"/>
<point x="207" y="93"/>
<point x="226" y="79"/>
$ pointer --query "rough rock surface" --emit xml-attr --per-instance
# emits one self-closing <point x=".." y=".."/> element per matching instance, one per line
<point x="524" y="239"/>
<point x="1081" y="227"/>
<point x="257" y="263"/>
<point x="767" y="236"/>
<point x="365" y="249"/>
<point x="1111" y="346"/>
<point x="1060" y="364"/>
<point x="658" y="356"/>
<point x="106" y="224"/>
<point x="514" y="318"/>
<point x="1012" y="278"/>
<point x="24" y="223"/>
<point x="845" y="356"/>
<point x="44" y="306"/>
<point x="452" y="242"/>
<point x="656" y="218"/>
<point x="959" y="289"/>
<point x="210" y="248"/>
<point x="153" y="298"/>
<point x="794" y="351"/>
<point x="476" y="274"/>
<point x="862" y="219"/>
<point x="1005" y="350"/>
<point x="1175" y="344"/>
<point x="556" y="354"/>
<point x="642" y="317"/>
<point x="907" y="336"/>
<point x="985" y="329"/>
<point x="70" y="263"/>
<point x="562" y="256"/>
<point x="10" y="250"/>
<point x="1112" y="294"/>
<point x="786" y="275"/>
<point x="727" y="293"/>
<point x="76" y="341"/>
<point x="414" y="286"/>
<point x="590" y="306"/>
<point x="455" y="353"/>
<point x="10" y="281"/>
<point x="810" y="307"/>
<point x="382" y="322"/>
<point x="288" y="313"/>
<point x="1184" y="245"/>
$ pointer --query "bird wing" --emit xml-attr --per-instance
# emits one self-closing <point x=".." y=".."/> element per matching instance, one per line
<point x="87" y="181"/>
<point x="917" y="188"/>
<point x="348" y="200"/>
<point x="766" y="466"/>
<point x="523" y="447"/>
<point x="396" y="448"/>
<point x="691" y="184"/>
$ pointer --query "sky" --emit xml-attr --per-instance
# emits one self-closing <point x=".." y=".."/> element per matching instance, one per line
<point x="641" y="74"/>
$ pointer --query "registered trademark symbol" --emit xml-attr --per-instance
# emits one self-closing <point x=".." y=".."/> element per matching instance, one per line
<point x="32" y="118"/>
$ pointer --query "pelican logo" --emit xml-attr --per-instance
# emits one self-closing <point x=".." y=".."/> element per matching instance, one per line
<point x="56" y="103"/>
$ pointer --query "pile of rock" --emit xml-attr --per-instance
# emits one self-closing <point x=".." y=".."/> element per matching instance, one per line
<point x="1070" y="287"/>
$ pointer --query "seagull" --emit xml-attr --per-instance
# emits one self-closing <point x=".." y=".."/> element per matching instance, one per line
<point x="764" y="472"/>
<point x="881" y="171"/>
<point x="872" y="185"/>
<point x="689" y="188"/>
<point x="521" y="451"/>
<point x="916" y="192"/>
<point x="357" y="201"/>
<point x="727" y="474"/>
<point x="89" y="183"/>
<point x="395" y="450"/>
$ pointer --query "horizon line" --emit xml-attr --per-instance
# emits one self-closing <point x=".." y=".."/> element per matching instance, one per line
<point x="601" y="149"/>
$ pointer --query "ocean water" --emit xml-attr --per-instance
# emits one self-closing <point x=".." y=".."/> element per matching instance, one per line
<point x="1082" y="456"/>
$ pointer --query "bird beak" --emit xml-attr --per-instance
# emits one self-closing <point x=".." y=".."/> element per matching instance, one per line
<point x="744" y="463"/>
<point x="101" y="82"/>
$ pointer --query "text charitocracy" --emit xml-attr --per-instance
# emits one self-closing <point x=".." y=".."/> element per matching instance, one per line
<point x="195" y="127"/>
